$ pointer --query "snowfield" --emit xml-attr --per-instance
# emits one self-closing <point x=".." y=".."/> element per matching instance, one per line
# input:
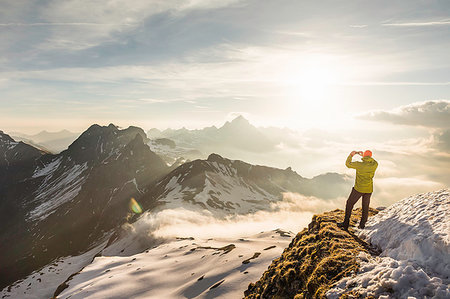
<point x="183" y="268"/>
<point x="413" y="235"/>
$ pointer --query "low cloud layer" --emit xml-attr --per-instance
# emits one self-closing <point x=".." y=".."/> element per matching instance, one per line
<point x="432" y="114"/>
<point x="292" y="214"/>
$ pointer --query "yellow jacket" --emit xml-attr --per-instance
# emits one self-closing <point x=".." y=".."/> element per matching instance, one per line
<point x="365" y="171"/>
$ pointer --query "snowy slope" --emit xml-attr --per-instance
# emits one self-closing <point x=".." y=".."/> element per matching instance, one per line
<point x="222" y="191"/>
<point x="413" y="235"/>
<point x="42" y="283"/>
<point x="61" y="184"/>
<point x="183" y="268"/>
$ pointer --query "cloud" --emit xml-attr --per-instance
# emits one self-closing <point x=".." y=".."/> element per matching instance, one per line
<point x="395" y="83"/>
<point x="418" y="24"/>
<point x="81" y="24"/>
<point x="401" y="187"/>
<point x="432" y="114"/>
<point x="292" y="213"/>
<point x="442" y="140"/>
<point x="57" y="24"/>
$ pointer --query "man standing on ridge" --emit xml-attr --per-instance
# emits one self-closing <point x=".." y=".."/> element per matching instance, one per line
<point x="365" y="171"/>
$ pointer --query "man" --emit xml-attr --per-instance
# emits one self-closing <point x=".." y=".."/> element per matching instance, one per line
<point x="365" y="171"/>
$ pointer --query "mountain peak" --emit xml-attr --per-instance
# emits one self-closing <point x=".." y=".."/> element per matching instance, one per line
<point x="238" y="123"/>
<point x="98" y="141"/>
<point x="240" y="120"/>
<point x="215" y="158"/>
<point x="5" y="137"/>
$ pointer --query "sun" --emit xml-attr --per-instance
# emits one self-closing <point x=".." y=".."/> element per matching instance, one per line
<point x="310" y="87"/>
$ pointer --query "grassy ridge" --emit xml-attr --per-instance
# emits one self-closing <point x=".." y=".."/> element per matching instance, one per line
<point x="317" y="257"/>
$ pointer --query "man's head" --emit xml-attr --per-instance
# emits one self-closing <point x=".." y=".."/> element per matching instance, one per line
<point x="367" y="154"/>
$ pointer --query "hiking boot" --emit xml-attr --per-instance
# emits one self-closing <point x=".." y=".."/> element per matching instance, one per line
<point x="343" y="225"/>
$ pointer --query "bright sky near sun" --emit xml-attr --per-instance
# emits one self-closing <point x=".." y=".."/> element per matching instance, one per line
<point x="301" y="64"/>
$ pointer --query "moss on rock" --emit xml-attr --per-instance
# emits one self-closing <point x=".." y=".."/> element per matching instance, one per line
<point x="317" y="257"/>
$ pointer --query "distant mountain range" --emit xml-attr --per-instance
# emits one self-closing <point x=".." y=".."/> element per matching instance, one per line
<point x="54" y="142"/>
<point x="238" y="135"/>
<point x="238" y="139"/>
<point x="56" y="205"/>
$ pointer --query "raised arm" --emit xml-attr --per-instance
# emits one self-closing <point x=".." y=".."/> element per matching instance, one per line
<point x="351" y="164"/>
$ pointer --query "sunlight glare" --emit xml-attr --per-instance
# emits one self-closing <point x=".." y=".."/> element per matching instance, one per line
<point x="310" y="85"/>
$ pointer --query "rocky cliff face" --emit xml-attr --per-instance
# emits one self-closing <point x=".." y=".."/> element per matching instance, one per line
<point x="317" y="257"/>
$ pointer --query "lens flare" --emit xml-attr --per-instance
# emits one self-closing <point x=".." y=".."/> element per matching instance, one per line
<point x="135" y="206"/>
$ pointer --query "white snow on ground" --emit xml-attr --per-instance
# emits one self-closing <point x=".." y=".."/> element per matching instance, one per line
<point x="56" y="190"/>
<point x="43" y="283"/>
<point x="180" y="269"/>
<point x="47" y="169"/>
<point x="413" y="235"/>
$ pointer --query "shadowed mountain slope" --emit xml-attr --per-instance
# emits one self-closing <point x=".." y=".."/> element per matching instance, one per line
<point x="63" y="204"/>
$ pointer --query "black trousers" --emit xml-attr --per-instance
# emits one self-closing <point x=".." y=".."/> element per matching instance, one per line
<point x="352" y="199"/>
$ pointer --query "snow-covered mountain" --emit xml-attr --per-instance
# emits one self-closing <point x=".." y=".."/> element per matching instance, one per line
<point x="54" y="206"/>
<point x="63" y="212"/>
<point x="225" y="186"/>
<point x="59" y="205"/>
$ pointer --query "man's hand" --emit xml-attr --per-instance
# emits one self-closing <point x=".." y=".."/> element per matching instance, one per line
<point x="352" y="153"/>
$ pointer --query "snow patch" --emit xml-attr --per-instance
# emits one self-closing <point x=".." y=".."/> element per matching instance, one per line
<point x="56" y="190"/>
<point x="47" y="169"/>
<point x="413" y="235"/>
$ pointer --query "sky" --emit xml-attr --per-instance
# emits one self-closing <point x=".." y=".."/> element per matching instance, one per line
<point x="346" y="74"/>
<point x="192" y="63"/>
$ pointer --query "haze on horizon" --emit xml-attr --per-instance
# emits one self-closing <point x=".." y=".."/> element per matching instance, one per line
<point x="343" y="75"/>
